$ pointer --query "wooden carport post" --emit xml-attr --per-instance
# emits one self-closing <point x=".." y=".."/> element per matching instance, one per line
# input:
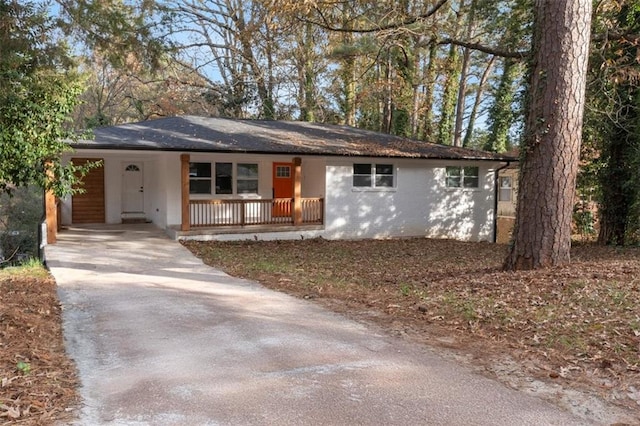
<point x="51" y="211"/>
<point x="184" y="179"/>
<point x="297" y="191"/>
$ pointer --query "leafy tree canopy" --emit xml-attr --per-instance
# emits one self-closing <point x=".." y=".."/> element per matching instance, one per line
<point x="37" y="94"/>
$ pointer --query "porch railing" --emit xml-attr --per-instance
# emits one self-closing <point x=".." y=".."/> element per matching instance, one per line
<point x="279" y="211"/>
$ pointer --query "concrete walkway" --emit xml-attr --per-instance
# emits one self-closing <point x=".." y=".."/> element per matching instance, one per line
<point x="161" y="339"/>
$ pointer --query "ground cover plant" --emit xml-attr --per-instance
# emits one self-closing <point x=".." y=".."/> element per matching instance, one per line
<point x="572" y="327"/>
<point x="37" y="379"/>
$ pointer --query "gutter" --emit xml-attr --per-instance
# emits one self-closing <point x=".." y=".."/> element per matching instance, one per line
<point x="496" y="188"/>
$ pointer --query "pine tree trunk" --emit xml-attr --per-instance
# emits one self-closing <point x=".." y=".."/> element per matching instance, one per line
<point x="501" y="112"/>
<point x="462" y="97"/>
<point x="449" y="97"/>
<point x="542" y="234"/>
<point x="476" y="104"/>
<point x="429" y="89"/>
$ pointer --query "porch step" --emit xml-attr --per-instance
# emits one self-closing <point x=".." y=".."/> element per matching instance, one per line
<point x="130" y="220"/>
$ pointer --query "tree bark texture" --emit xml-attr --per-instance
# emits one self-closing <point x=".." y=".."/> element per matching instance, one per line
<point x="553" y="132"/>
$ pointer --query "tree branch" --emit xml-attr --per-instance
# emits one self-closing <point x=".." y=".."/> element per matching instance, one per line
<point x="327" y="25"/>
<point x="485" y="49"/>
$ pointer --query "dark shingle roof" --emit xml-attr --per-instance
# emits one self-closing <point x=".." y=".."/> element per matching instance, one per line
<point x="204" y="134"/>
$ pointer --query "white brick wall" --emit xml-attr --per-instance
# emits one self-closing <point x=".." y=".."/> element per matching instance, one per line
<point x="419" y="205"/>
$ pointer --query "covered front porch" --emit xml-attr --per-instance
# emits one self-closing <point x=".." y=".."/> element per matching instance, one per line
<point x="242" y="215"/>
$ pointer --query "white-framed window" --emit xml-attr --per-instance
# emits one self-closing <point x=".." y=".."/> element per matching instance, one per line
<point x="506" y="188"/>
<point x="199" y="178"/>
<point x="283" y="171"/>
<point x="247" y="178"/>
<point x="462" y="177"/>
<point x="223" y="178"/>
<point x="369" y="175"/>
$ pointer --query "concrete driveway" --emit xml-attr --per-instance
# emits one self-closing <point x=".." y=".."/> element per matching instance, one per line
<point x="161" y="339"/>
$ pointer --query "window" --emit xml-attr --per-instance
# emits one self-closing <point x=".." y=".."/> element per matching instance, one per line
<point x="462" y="177"/>
<point x="199" y="178"/>
<point x="283" y="171"/>
<point x="367" y="175"/>
<point x="247" y="178"/>
<point x="224" y="178"/>
<point x="505" y="188"/>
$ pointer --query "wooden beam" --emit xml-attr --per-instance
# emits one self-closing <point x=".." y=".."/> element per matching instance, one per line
<point x="184" y="178"/>
<point x="297" y="191"/>
<point x="50" y="211"/>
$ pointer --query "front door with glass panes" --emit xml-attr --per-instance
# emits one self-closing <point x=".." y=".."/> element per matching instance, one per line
<point x="282" y="189"/>
<point x="132" y="188"/>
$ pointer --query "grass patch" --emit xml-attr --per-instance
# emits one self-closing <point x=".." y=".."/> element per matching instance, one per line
<point x="32" y="268"/>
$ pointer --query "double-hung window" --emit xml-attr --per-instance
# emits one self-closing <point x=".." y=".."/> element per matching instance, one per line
<point x="462" y="177"/>
<point x="223" y="178"/>
<point x="247" y="178"/>
<point x="505" y="188"/>
<point x="199" y="178"/>
<point x="368" y="175"/>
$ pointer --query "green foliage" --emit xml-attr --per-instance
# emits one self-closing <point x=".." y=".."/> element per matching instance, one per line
<point x="501" y="113"/>
<point x="20" y="217"/>
<point x="611" y="143"/>
<point x="584" y="221"/>
<point x="23" y="367"/>
<point x="37" y="96"/>
<point x="125" y="32"/>
<point x="449" y="97"/>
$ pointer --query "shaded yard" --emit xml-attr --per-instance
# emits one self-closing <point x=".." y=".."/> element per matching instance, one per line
<point x="572" y="327"/>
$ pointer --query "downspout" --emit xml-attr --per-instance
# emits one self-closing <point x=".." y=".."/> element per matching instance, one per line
<point x="496" y="183"/>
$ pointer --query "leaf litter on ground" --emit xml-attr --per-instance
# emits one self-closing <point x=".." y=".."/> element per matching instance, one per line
<point x="577" y="325"/>
<point x="37" y="380"/>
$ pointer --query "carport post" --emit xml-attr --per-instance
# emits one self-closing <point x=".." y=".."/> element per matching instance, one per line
<point x="297" y="191"/>
<point x="184" y="177"/>
<point x="50" y="210"/>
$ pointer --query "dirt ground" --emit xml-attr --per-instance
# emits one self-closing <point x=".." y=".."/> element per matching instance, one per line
<point x="571" y="334"/>
<point x="37" y="379"/>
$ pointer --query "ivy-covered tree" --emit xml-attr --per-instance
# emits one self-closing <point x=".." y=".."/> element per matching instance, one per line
<point x="37" y="95"/>
<point x="613" y="121"/>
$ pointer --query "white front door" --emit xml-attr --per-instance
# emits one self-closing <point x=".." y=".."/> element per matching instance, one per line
<point x="132" y="188"/>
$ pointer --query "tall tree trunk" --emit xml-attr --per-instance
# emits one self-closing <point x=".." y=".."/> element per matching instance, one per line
<point x="348" y="72"/>
<point x="387" y="109"/>
<point x="476" y="104"/>
<point x="542" y="234"/>
<point x="462" y="95"/>
<point x="464" y="70"/>
<point x="448" y="109"/>
<point x="501" y="113"/>
<point x="263" y="78"/>
<point x="306" y="76"/>
<point x="429" y="88"/>
<point x="619" y="191"/>
<point x="415" y="89"/>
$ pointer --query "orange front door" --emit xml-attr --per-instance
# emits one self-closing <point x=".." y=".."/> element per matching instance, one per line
<point x="282" y="189"/>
